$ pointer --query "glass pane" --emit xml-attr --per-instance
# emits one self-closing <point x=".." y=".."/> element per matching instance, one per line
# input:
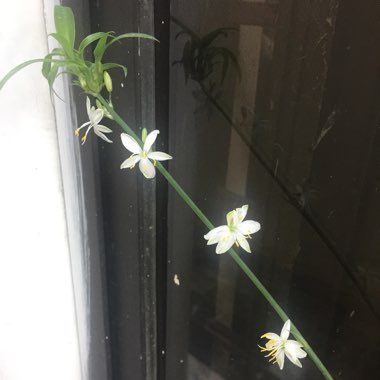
<point x="272" y="111"/>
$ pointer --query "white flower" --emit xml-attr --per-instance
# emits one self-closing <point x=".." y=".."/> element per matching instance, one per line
<point x="236" y="231"/>
<point x="95" y="115"/>
<point x="279" y="346"/>
<point x="144" y="155"/>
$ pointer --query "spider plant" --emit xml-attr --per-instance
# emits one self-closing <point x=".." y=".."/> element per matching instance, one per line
<point x="91" y="75"/>
<point x="200" y="55"/>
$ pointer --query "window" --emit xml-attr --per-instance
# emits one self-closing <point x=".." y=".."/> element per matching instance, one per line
<point x="273" y="104"/>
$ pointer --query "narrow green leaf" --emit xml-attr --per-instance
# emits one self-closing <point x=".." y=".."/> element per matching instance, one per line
<point x="47" y="64"/>
<point x="57" y="51"/>
<point x="17" y="69"/>
<point x="65" y="24"/>
<point x="90" y="39"/>
<point x="27" y="63"/>
<point x="100" y="48"/>
<point x="107" y="66"/>
<point x="52" y="75"/>
<point x="131" y="35"/>
<point x="63" y="42"/>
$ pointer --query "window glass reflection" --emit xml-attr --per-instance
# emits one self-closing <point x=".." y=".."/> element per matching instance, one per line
<point x="264" y="112"/>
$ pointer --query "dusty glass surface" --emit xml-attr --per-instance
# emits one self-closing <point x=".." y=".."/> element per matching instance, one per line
<point x="280" y="112"/>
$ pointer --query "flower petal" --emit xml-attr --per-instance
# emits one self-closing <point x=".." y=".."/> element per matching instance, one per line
<point x="96" y="116"/>
<point x="213" y="240"/>
<point x="232" y="218"/>
<point x="101" y="135"/>
<point x="248" y="227"/>
<point x="242" y="212"/>
<point x="150" y="139"/>
<point x="271" y="336"/>
<point x="147" y="168"/>
<point x="88" y="107"/>
<point x="102" y="128"/>
<point x="130" y="143"/>
<point x="285" y="330"/>
<point x="216" y="232"/>
<point x="280" y="358"/>
<point x="243" y="242"/>
<point x="293" y="358"/>
<point x="130" y="162"/>
<point x="294" y="348"/>
<point x="226" y="241"/>
<point x="159" y="156"/>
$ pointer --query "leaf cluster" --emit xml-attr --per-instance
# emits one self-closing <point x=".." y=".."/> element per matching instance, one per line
<point x="200" y="56"/>
<point x="91" y="76"/>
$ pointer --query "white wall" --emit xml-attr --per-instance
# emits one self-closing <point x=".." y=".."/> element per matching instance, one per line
<point x="38" y="336"/>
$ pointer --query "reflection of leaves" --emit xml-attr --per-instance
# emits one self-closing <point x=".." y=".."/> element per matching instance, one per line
<point x="204" y="101"/>
<point x="326" y="128"/>
<point x="199" y="57"/>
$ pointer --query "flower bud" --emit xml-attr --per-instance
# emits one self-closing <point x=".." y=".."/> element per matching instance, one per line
<point x="106" y="113"/>
<point x="83" y="83"/>
<point x="107" y="81"/>
<point x="144" y="133"/>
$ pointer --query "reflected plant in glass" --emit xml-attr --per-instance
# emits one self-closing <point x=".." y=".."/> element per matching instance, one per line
<point x="203" y="60"/>
<point x="201" y="56"/>
<point x="93" y="78"/>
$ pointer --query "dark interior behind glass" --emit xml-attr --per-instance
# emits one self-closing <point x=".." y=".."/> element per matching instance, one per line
<point x="289" y="126"/>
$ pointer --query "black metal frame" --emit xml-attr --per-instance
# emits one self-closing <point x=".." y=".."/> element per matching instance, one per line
<point x="134" y="213"/>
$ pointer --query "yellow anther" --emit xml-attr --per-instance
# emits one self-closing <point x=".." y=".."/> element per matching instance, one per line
<point x="77" y="132"/>
<point x="237" y="244"/>
<point x="84" y="138"/>
<point x="154" y="162"/>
